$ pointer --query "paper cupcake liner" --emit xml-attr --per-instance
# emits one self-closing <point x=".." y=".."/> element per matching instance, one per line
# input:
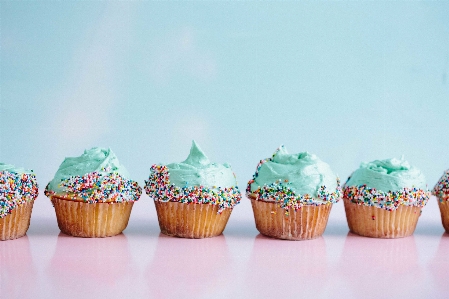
<point x="444" y="210"/>
<point x="15" y="225"/>
<point x="370" y="221"/>
<point x="91" y="220"/>
<point x="306" y="223"/>
<point x="193" y="221"/>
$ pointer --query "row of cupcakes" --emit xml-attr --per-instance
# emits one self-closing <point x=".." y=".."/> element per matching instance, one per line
<point x="291" y="196"/>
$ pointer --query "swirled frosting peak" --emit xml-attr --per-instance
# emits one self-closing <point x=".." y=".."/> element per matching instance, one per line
<point x="388" y="175"/>
<point x="95" y="176"/>
<point x="197" y="170"/>
<point x="196" y="156"/>
<point x="196" y="180"/>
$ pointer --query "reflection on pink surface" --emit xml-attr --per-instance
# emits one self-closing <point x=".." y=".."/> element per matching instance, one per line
<point x="197" y="267"/>
<point x="374" y="268"/>
<point x="439" y="265"/>
<point x="16" y="265"/>
<point x="287" y="268"/>
<point x="96" y="264"/>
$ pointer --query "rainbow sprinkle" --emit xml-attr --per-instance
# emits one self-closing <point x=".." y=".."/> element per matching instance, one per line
<point x="158" y="187"/>
<point x="441" y="189"/>
<point x="389" y="201"/>
<point x="96" y="188"/>
<point x="285" y="197"/>
<point x="16" y="189"/>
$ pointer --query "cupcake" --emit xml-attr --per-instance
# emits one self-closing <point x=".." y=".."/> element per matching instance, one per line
<point x="92" y="194"/>
<point x="18" y="190"/>
<point x="194" y="198"/>
<point x="383" y="199"/>
<point x="441" y="191"/>
<point x="292" y="195"/>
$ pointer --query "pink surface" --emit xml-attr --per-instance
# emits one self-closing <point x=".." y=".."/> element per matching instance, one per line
<point x="141" y="262"/>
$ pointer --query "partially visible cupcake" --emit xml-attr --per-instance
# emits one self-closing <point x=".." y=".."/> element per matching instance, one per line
<point x="194" y="198"/>
<point x="292" y="195"/>
<point x="18" y="190"/>
<point x="441" y="191"/>
<point x="384" y="198"/>
<point x="92" y="194"/>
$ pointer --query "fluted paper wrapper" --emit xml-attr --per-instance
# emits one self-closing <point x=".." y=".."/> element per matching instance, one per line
<point x="370" y="221"/>
<point x="193" y="221"/>
<point x="444" y="210"/>
<point x="91" y="220"/>
<point x="15" y="225"/>
<point x="306" y="223"/>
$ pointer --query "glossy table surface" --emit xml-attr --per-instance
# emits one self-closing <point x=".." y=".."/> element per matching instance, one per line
<point x="142" y="263"/>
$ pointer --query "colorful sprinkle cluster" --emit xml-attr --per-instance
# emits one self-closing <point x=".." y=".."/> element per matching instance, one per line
<point x="96" y="187"/>
<point x="158" y="187"/>
<point x="16" y="189"/>
<point x="389" y="201"/>
<point x="285" y="197"/>
<point x="442" y="187"/>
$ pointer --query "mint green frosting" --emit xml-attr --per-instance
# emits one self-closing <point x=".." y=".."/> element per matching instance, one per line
<point x="388" y="175"/>
<point x="12" y="168"/>
<point x="97" y="159"/>
<point x="197" y="170"/>
<point x="305" y="173"/>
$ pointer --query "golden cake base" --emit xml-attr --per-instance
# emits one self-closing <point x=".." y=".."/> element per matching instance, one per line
<point x="15" y="225"/>
<point x="306" y="223"/>
<point x="373" y="222"/>
<point x="193" y="221"/>
<point x="91" y="220"/>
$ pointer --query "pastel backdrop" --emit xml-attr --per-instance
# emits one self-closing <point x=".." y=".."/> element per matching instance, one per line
<point x="348" y="81"/>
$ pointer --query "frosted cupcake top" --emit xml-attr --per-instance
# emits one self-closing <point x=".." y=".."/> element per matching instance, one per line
<point x="387" y="184"/>
<point x="14" y="169"/>
<point x="388" y="175"/>
<point x="441" y="188"/>
<point x="195" y="180"/>
<point x="17" y="186"/>
<point x="95" y="176"/>
<point x="197" y="170"/>
<point x="294" y="180"/>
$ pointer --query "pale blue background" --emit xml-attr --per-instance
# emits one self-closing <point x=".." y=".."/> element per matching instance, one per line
<point x="348" y="81"/>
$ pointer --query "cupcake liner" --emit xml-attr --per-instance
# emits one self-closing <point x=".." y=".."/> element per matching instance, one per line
<point x="91" y="220"/>
<point x="374" y="222"/>
<point x="15" y="225"/>
<point x="193" y="221"/>
<point x="444" y="210"/>
<point x="306" y="223"/>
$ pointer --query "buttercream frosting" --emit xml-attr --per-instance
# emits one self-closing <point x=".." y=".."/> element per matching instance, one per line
<point x="95" y="176"/>
<point x="14" y="169"/>
<point x="195" y="180"/>
<point x="388" y="175"/>
<point x="197" y="170"/>
<point x="294" y="180"/>
<point x="387" y="184"/>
